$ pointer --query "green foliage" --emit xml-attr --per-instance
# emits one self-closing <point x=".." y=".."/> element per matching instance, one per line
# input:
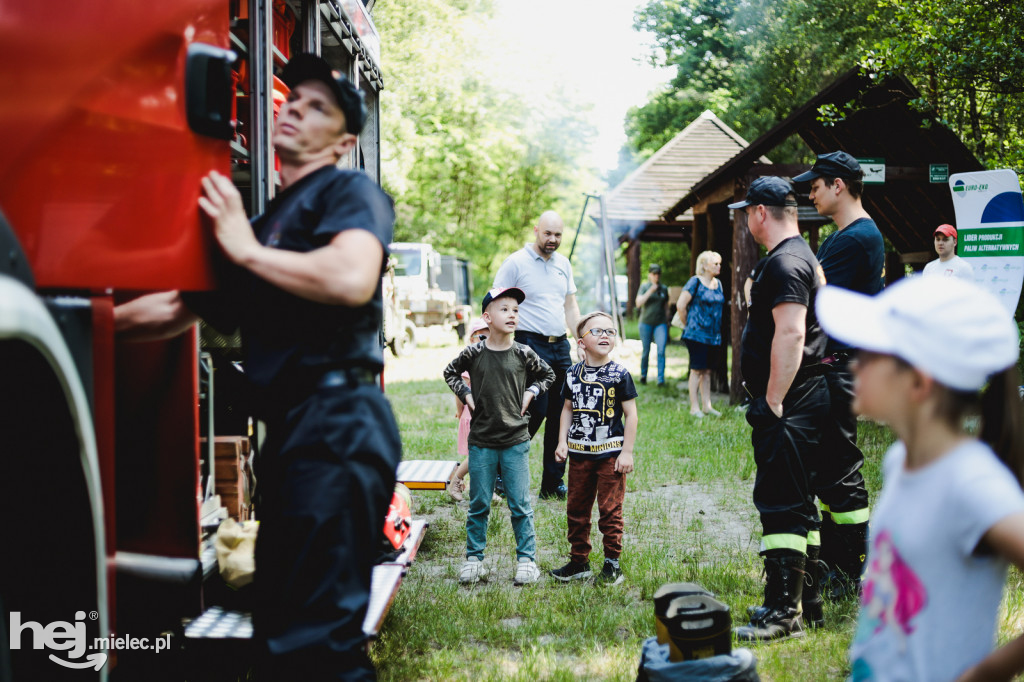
<point x="754" y="61"/>
<point x="967" y="58"/>
<point x="469" y="164"/>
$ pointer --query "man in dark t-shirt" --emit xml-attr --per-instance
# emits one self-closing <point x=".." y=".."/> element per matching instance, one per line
<point x="303" y="285"/>
<point x="853" y="257"/>
<point x="781" y="349"/>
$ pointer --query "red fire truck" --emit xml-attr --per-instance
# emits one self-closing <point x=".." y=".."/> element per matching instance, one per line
<point x="112" y="112"/>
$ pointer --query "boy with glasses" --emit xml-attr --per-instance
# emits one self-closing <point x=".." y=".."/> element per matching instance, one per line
<point x="597" y="432"/>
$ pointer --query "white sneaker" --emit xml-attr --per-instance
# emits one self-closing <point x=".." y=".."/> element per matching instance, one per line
<point x="526" y="572"/>
<point x="472" y="570"/>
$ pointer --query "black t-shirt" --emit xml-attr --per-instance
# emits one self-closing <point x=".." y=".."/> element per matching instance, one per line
<point x="788" y="274"/>
<point x="597" y="430"/>
<point x="854" y="258"/>
<point x="284" y="334"/>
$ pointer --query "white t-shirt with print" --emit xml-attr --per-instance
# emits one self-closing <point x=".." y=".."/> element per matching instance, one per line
<point x="928" y="603"/>
<point x="954" y="267"/>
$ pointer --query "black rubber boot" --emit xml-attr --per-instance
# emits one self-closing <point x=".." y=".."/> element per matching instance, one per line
<point x="813" y="606"/>
<point x="851" y="547"/>
<point x="779" y="617"/>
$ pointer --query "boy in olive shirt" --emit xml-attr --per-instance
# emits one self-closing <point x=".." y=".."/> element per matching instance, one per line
<point x="506" y="376"/>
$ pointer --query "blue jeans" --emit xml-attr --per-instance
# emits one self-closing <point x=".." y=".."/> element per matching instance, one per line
<point x="515" y="473"/>
<point x="659" y="333"/>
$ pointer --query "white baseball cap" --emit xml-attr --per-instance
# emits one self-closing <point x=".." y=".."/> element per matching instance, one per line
<point x="950" y="329"/>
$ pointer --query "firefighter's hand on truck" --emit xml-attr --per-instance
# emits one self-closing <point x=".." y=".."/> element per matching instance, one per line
<point x="222" y="202"/>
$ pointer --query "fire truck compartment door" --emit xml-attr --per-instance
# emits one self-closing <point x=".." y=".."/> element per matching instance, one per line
<point x="209" y="90"/>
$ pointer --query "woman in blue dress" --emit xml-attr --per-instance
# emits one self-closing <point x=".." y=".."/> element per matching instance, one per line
<point x="700" y="308"/>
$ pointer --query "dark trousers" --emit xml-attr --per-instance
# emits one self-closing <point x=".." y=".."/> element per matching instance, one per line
<point x="549" y="404"/>
<point x="838" y="481"/>
<point x="785" y="452"/>
<point x="326" y="476"/>
<point x="590" y="479"/>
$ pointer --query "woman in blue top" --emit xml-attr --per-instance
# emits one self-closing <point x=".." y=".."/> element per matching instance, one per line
<point x="700" y="308"/>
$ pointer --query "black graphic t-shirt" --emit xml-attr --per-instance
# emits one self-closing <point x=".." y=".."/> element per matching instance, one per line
<point x="597" y="394"/>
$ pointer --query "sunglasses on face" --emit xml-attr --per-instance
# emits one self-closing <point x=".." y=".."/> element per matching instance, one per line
<point x="600" y="332"/>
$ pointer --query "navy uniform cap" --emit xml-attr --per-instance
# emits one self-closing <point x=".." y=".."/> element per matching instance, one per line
<point x="833" y="165"/>
<point x="306" y="67"/>
<point x="769" y="190"/>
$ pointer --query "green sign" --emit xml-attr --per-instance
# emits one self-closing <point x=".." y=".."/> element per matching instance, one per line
<point x="938" y="172"/>
<point x="874" y="170"/>
<point x="991" y="241"/>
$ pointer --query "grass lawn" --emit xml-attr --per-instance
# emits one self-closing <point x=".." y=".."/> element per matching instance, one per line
<point x="688" y="515"/>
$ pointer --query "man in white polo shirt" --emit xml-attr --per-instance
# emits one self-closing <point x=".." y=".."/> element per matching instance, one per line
<point x="550" y="307"/>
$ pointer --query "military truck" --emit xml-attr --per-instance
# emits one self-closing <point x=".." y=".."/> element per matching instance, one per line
<point x="435" y="289"/>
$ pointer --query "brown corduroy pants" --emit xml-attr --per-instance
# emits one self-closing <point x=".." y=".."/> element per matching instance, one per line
<point x="590" y="479"/>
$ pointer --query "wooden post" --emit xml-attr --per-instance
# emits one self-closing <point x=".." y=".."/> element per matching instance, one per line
<point x="893" y="268"/>
<point x="744" y="257"/>
<point x="699" y="239"/>
<point x="633" y="272"/>
<point x="720" y="240"/>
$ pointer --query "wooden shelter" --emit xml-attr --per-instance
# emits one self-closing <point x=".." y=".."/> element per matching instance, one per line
<point x="882" y="124"/>
<point x="637" y="207"/>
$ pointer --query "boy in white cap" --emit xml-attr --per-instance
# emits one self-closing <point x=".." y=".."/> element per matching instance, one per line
<point x="948" y="264"/>
<point x="950" y="516"/>
<point x="506" y="376"/>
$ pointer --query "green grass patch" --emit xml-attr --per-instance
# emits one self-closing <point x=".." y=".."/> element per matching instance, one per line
<point x="688" y="517"/>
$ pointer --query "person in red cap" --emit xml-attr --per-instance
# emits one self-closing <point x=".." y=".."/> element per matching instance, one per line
<point x="948" y="264"/>
<point x="302" y="284"/>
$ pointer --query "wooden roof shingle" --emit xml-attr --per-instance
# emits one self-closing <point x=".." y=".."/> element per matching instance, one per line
<point x="698" y="150"/>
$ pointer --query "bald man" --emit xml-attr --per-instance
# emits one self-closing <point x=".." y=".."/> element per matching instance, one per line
<point x="549" y="309"/>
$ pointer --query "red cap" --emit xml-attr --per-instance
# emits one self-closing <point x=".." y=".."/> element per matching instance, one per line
<point x="947" y="230"/>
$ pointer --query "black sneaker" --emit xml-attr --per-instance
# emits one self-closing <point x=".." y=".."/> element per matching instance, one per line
<point x="572" y="571"/>
<point x="643" y="380"/>
<point x="610" y="574"/>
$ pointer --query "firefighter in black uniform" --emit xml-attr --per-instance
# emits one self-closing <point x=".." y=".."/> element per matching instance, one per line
<point x="303" y="286"/>
<point x="852" y="257"/>
<point x="782" y="348"/>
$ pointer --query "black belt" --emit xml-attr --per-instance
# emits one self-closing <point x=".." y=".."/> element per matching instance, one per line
<point x="349" y="377"/>
<point x="811" y="371"/>
<point x="803" y="374"/>
<point x="540" y="337"/>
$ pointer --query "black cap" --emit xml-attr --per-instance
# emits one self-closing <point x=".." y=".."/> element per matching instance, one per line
<point x="833" y="165"/>
<point x="309" y="67"/>
<point x="769" y="190"/>
<point x="654" y="267"/>
<point x="515" y="293"/>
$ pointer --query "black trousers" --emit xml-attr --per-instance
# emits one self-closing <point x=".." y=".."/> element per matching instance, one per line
<point x="838" y="481"/>
<point x="785" y="452"/>
<point x="326" y="476"/>
<point x="549" y="404"/>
